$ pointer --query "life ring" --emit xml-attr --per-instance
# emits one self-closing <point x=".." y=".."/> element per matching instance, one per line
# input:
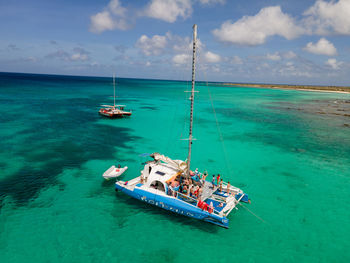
<point x="117" y="170"/>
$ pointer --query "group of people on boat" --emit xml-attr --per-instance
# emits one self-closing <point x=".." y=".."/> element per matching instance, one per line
<point x="187" y="186"/>
<point x="219" y="183"/>
<point x="192" y="186"/>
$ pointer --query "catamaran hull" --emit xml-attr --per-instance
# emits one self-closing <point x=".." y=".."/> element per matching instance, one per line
<point x="115" y="116"/>
<point x="174" y="205"/>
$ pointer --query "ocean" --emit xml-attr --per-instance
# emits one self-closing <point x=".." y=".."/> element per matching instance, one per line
<point x="289" y="150"/>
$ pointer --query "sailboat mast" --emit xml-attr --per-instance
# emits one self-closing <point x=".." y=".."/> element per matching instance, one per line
<point x="114" y="89"/>
<point x="192" y="97"/>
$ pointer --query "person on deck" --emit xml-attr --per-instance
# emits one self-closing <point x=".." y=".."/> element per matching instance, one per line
<point x="205" y="174"/>
<point x="228" y="187"/>
<point x="200" y="190"/>
<point x="182" y="178"/>
<point x="181" y="188"/>
<point x="195" y="178"/>
<point x="185" y="190"/>
<point x="169" y="189"/>
<point x="202" y="181"/>
<point x="192" y="191"/>
<point x="221" y="185"/>
<point x="213" y="182"/>
<point x="196" y="191"/>
<point x="218" y="179"/>
<point x="176" y="188"/>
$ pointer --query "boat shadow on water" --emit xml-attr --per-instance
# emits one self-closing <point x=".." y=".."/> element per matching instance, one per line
<point x="176" y="218"/>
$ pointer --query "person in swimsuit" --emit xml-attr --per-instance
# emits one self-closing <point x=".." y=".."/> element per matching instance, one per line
<point x="228" y="187"/>
<point x="213" y="182"/>
<point x="218" y="179"/>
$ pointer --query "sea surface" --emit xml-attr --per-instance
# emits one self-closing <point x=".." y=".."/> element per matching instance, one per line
<point x="289" y="150"/>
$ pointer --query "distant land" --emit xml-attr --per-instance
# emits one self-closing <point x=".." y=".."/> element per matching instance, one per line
<point x="339" y="89"/>
<point x="293" y="87"/>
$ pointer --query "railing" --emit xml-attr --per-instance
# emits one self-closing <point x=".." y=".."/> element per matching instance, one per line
<point x="235" y="202"/>
<point x="190" y="200"/>
<point x="224" y="187"/>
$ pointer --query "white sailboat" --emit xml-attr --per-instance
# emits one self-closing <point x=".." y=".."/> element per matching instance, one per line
<point x="171" y="185"/>
<point x="114" y="111"/>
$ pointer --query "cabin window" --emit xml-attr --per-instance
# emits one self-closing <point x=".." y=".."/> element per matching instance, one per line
<point x="160" y="173"/>
<point x="158" y="185"/>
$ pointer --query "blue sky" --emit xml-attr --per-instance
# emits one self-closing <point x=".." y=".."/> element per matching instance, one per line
<point x="263" y="41"/>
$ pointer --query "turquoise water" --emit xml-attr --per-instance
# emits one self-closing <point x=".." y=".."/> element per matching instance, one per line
<point x="289" y="150"/>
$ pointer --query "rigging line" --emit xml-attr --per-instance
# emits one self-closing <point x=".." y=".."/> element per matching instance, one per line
<point x="258" y="217"/>
<point x="188" y="52"/>
<point x="174" y="120"/>
<point x="228" y="166"/>
<point x="186" y="112"/>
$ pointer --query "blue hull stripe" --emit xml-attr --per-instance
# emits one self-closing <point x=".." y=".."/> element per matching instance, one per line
<point x="174" y="205"/>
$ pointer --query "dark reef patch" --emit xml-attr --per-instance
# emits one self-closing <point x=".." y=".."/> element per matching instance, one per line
<point x="64" y="135"/>
<point x="327" y="107"/>
<point x="293" y="130"/>
<point x="149" y="108"/>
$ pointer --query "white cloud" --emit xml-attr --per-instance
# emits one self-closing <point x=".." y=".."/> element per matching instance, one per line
<point x="12" y="47"/>
<point x="329" y="17"/>
<point x="322" y="47"/>
<point x="116" y="8"/>
<point x="169" y="10"/>
<point x="236" y="60"/>
<point x="333" y="63"/>
<point x="113" y="17"/>
<point x="210" y="2"/>
<point x="79" y="54"/>
<point x="215" y="69"/>
<point x="101" y="22"/>
<point x="152" y="46"/>
<point x="60" y="54"/>
<point x="253" y="30"/>
<point x="211" y="57"/>
<point x="290" y="70"/>
<point x="289" y="55"/>
<point x="276" y="56"/>
<point x="79" y="57"/>
<point x="182" y="59"/>
<point x="181" y="44"/>
<point x="185" y="44"/>
<point x="31" y="59"/>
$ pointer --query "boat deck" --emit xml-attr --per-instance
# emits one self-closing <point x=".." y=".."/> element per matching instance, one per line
<point x="207" y="190"/>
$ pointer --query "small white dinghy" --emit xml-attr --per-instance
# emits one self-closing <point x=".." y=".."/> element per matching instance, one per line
<point x="114" y="172"/>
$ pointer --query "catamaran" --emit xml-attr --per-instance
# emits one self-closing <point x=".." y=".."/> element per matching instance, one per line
<point x="171" y="185"/>
<point x="114" y="111"/>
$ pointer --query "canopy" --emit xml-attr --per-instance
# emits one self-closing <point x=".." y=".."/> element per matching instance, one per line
<point x="177" y="164"/>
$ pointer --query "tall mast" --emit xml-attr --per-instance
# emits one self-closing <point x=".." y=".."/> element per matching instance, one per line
<point x="114" y="89"/>
<point x="192" y="97"/>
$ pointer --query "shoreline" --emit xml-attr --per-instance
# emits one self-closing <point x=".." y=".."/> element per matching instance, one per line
<point x="333" y="89"/>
